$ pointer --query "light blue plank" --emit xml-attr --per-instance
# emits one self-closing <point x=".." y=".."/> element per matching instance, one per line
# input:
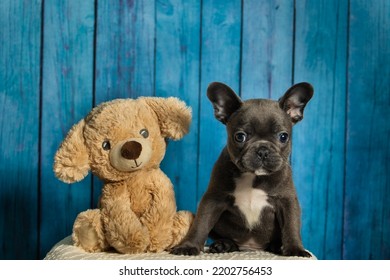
<point x="367" y="194"/>
<point x="124" y="49"/>
<point x="220" y="57"/>
<point x="66" y="98"/>
<point x="177" y="74"/>
<point x="20" y="31"/>
<point x="318" y="141"/>
<point x="124" y="54"/>
<point x="267" y="48"/>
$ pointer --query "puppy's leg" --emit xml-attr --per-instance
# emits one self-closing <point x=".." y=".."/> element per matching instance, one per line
<point x="274" y="247"/>
<point x="223" y="246"/>
<point x="289" y="217"/>
<point x="207" y="215"/>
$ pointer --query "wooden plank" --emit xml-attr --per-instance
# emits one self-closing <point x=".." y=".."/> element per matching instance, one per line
<point x="19" y="128"/>
<point x="124" y="49"/>
<point x="267" y="48"/>
<point x="66" y="98"/>
<point x="125" y="32"/>
<point x="220" y="58"/>
<point x="367" y="194"/>
<point x="318" y="141"/>
<point x="177" y="74"/>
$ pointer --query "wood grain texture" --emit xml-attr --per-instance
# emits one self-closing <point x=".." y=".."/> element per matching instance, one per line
<point x="367" y="194"/>
<point x="20" y="33"/>
<point x="177" y="74"/>
<point x="220" y="57"/>
<point x="318" y="141"/>
<point x="124" y="49"/>
<point x="267" y="48"/>
<point x="66" y="99"/>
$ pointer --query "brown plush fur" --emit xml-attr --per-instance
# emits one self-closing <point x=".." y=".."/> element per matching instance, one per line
<point x="137" y="208"/>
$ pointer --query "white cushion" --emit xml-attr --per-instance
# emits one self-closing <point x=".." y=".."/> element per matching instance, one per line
<point x="64" y="250"/>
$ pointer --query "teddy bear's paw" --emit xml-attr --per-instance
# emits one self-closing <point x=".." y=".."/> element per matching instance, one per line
<point x="181" y="224"/>
<point x="133" y="248"/>
<point x="156" y="248"/>
<point x="159" y="242"/>
<point x="133" y="243"/>
<point x="87" y="232"/>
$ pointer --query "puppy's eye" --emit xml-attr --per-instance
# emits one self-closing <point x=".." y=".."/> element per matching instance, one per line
<point x="144" y="132"/>
<point x="283" y="137"/>
<point x="240" y="137"/>
<point x="106" y="145"/>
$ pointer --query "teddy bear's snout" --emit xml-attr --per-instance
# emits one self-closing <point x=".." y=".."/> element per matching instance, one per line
<point x="130" y="154"/>
<point x="131" y="150"/>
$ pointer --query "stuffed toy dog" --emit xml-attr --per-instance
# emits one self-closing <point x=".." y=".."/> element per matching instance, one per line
<point x="123" y="142"/>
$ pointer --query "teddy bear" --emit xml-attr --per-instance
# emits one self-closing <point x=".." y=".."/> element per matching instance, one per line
<point x="123" y="142"/>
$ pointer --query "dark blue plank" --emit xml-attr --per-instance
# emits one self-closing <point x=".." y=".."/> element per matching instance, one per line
<point x="367" y="194"/>
<point x="267" y="48"/>
<point x="124" y="62"/>
<point x="177" y="74"/>
<point x="220" y="57"/>
<point x="20" y="31"/>
<point x="66" y="98"/>
<point x="318" y="141"/>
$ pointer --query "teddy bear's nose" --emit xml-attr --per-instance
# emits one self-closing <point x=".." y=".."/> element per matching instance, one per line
<point x="131" y="150"/>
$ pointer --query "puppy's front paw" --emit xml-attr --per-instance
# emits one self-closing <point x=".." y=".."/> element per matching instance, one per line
<point x="223" y="246"/>
<point x="185" y="250"/>
<point x="296" y="251"/>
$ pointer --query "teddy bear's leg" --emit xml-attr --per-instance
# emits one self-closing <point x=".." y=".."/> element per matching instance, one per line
<point x="124" y="231"/>
<point x="160" y="235"/>
<point x="181" y="224"/>
<point x="88" y="231"/>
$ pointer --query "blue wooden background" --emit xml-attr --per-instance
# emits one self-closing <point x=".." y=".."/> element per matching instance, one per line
<point x="60" y="58"/>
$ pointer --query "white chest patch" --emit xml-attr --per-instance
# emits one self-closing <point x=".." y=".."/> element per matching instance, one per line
<point x="250" y="201"/>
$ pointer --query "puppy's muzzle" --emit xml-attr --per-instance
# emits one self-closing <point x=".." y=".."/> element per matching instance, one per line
<point x="262" y="153"/>
<point x="262" y="158"/>
<point x="131" y="154"/>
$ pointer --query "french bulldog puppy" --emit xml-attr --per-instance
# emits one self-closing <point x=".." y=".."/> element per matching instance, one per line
<point x="251" y="201"/>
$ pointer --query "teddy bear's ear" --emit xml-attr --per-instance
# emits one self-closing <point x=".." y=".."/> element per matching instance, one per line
<point x="71" y="162"/>
<point x="173" y="114"/>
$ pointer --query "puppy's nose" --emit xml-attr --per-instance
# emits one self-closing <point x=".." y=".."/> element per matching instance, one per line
<point x="263" y="153"/>
<point x="131" y="150"/>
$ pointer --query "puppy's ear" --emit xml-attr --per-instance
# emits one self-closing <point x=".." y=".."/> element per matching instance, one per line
<point x="225" y="101"/>
<point x="174" y="116"/>
<point x="293" y="102"/>
<point x="71" y="161"/>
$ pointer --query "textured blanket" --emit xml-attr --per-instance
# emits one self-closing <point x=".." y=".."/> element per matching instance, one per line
<point x="64" y="250"/>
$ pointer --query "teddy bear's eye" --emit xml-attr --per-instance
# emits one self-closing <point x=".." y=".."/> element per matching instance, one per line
<point x="106" y="145"/>
<point x="144" y="132"/>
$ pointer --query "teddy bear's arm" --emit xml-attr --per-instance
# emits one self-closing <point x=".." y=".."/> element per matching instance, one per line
<point x="123" y="229"/>
<point x="159" y="216"/>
